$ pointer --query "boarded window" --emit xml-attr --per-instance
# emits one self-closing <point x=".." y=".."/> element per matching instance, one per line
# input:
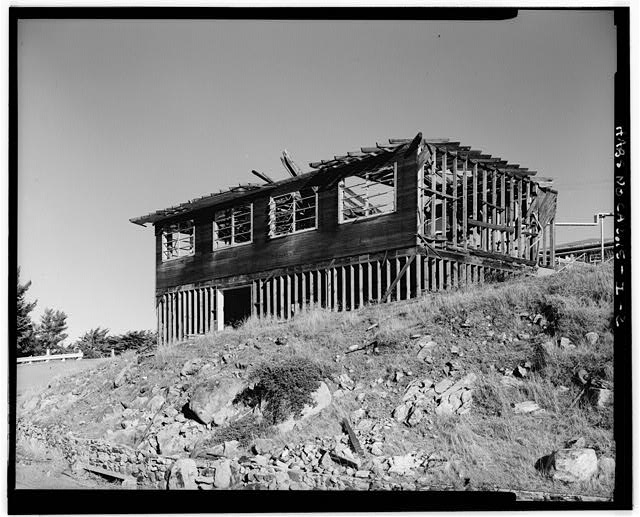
<point x="233" y="226"/>
<point x="178" y="240"/>
<point x="293" y="212"/>
<point x="368" y="193"/>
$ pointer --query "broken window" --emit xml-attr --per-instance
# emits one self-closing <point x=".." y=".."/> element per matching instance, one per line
<point x="293" y="212"/>
<point x="368" y="193"/>
<point x="178" y="240"/>
<point x="233" y="226"/>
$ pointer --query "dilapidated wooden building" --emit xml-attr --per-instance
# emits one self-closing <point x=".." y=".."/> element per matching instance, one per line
<point x="385" y="223"/>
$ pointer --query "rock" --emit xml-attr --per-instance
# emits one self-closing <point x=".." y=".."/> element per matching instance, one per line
<point x="444" y="409"/>
<point x="321" y="400"/>
<point x="402" y="464"/>
<point x="362" y="473"/>
<point x="345" y="382"/>
<point x="592" y="337"/>
<point x="510" y="382"/>
<point x="455" y="350"/>
<point x="528" y="406"/>
<point x="601" y="397"/>
<point x="520" y="371"/>
<point x="222" y="476"/>
<point x="566" y="343"/>
<point x="443" y="385"/>
<point x="129" y="483"/>
<point x="156" y="403"/>
<point x="182" y="475"/>
<point x="227" y="449"/>
<point x="572" y="465"/>
<point x="524" y="336"/>
<point x="424" y="353"/>
<point x="213" y="402"/>
<point x="606" y="467"/>
<point x="263" y="446"/>
<point x="376" y="449"/>
<point x="401" y="412"/>
<point x="576" y="443"/>
<point x="360" y="398"/>
<point x="415" y="417"/>
<point x="122" y="375"/>
<point x="191" y="367"/>
<point x="169" y="440"/>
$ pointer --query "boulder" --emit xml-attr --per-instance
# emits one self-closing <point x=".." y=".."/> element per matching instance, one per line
<point x="321" y="400"/>
<point x="156" y="403"/>
<point x="191" y="367"/>
<point x="228" y="449"/>
<point x="592" y="337"/>
<point x="601" y="397"/>
<point x="401" y="412"/>
<point x="443" y="385"/>
<point x="576" y="443"/>
<point x="213" y="401"/>
<point x="606" y="467"/>
<point x="169" y="440"/>
<point x="566" y="343"/>
<point x="263" y="446"/>
<point x="182" y="475"/>
<point x="401" y="464"/>
<point x="569" y="465"/>
<point x="528" y="406"/>
<point x="222" y="476"/>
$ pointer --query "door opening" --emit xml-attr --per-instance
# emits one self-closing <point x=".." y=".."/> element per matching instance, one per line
<point x="237" y="305"/>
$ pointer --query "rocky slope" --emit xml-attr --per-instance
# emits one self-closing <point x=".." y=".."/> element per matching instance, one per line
<point x="506" y="386"/>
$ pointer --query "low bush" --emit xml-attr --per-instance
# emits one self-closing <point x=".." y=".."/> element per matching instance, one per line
<point x="282" y="387"/>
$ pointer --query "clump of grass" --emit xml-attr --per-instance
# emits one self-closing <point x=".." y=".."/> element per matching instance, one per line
<point x="245" y="430"/>
<point x="282" y="387"/>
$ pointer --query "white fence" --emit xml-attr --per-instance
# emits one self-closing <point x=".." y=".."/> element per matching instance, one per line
<point x="49" y="357"/>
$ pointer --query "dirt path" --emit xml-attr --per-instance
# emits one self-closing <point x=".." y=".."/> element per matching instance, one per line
<point x="33" y="377"/>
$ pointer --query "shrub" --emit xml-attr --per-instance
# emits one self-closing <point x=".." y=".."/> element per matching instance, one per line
<point x="244" y="430"/>
<point x="283" y="387"/>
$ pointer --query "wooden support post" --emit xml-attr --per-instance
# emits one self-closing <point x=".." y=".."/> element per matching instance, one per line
<point x="360" y="286"/>
<point x="201" y="324"/>
<point x="343" y="289"/>
<point x="369" y="282"/>
<point x="387" y="281"/>
<point x="510" y="216"/>
<point x="484" y="244"/>
<point x="552" y="242"/>
<point x="378" y="280"/>
<point x="444" y="199"/>
<point x="407" y="276"/>
<point x="464" y="204"/>
<point x="303" y="301"/>
<point x="418" y="275"/>
<point x="219" y="309"/>
<point x="319" y="287"/>
<point x="296" y="302"/>
<point x="165" y="318"/>
<point x="503" y="214"/>
<point x="519" y="216"/>
<point x="259" y="298"/>
<point x="474" y="206"/>
<point x="527" y="222"/>
<point x="454" y="273"/>
<point x="398" y="297"/>
<point x="334" y="289"/>
<point x="494" y="214"/>
<point x="440" y="274"/>
<point x="312" y="300"/>
<point x="287" y="298"/>
<point x="190" y="315"/>
<point x="454" y="215"/>
<point x="268" y="294"/>
<point x="434" y="161"/>
<point x="352" y="285"/>
<point x="543" y="261"/>
<point x="399" y="274"/>
<point x="433" y="265"/>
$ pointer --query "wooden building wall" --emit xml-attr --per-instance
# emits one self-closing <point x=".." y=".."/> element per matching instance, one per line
<point x="330" y="240"/>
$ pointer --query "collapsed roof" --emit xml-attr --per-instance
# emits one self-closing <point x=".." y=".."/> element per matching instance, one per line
<point x="364" y="156"/>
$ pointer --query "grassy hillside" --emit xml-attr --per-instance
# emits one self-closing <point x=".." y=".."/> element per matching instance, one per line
<point x="488" y="331"/>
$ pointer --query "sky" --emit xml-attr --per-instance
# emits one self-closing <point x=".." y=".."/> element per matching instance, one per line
<point x="120" y="118"/>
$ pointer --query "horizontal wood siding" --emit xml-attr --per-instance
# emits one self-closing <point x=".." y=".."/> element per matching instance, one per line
<point x="329" y="240"/>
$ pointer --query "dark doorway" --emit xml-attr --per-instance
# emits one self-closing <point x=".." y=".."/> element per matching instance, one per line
<point x="237" y="305"/>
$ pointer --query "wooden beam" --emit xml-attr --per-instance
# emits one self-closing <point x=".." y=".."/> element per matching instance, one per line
<point x="219" y="310"/>
<point x="552" y="242"/>
<point x="360" y="286"/>
<point x="464" y="204"/>
<point x="418" y="275"/>
<point x="288" y="297"/>
<point x="527" y="222"/>
<point x="343" y="291"/>
<point x="296" y="302"/>
<point x="387" y="296"/>
<point x="454" y="216"/>
<point x="494" y="215"/>
<point x="491" y="226"/>
<point x="268" y="293"/>
<point x="484" y="233"/>
<point x="444" y="192"/>
<point x="262" y="176"/>
<point x="352" y="291"/>
<point x="398" y="277"/>
<point x="303" y="278"/>
<point x="519" y="220"/>
<point x="369" y="281"/>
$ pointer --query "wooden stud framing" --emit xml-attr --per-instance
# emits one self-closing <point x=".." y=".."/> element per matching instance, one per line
<point x="503" y="214"/>
<point x="474" y="207"/>
<point x="494" y="211"/>
<point x="519" y="216"/>
<point x="433" y="190"/>
<point x="444" y="192"/>
<point x="527" y="222"/>
<point x="454" y="215"/>
<point x="464" y="204"/>
<point x="484" y="244"/>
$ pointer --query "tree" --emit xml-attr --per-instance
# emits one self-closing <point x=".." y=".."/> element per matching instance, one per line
<point x="94" y="343"/>
<point x="50" y="332"/>
<point x="26" y="341"/>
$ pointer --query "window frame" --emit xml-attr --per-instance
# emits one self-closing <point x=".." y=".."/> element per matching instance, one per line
<point x="271" y="215"/>
<point x="342" y="220"/>
<point x="233" y="232"/>
<point x="181" y="225"/>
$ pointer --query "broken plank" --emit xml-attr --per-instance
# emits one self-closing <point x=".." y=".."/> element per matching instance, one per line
<point x="355" y="444"/>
